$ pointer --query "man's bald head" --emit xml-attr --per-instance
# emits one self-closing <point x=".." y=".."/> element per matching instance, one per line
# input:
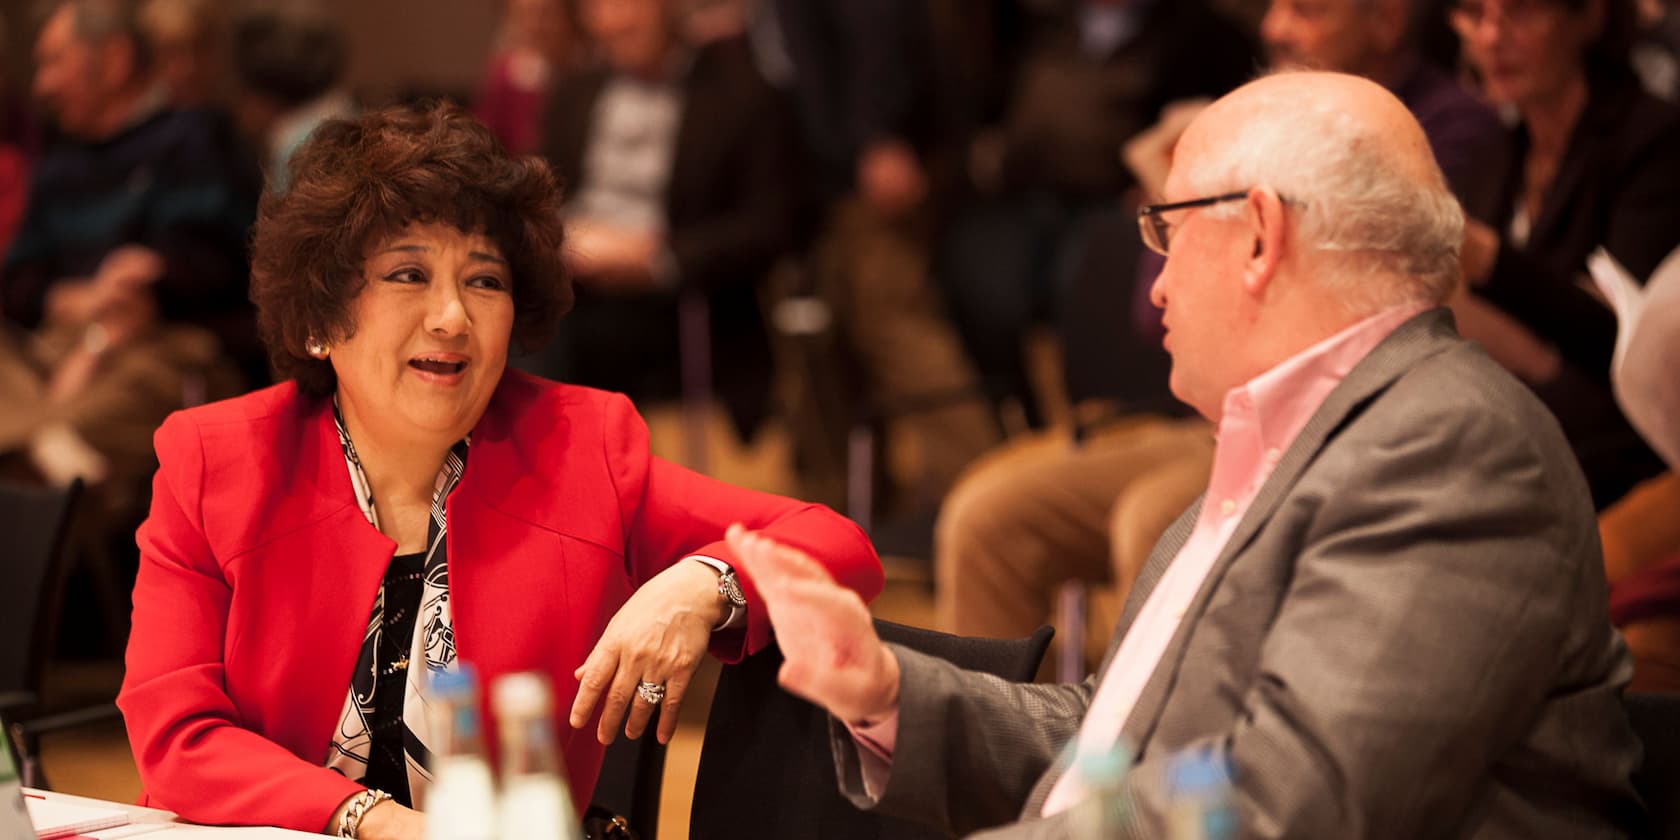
<point x="1354" y="166"/>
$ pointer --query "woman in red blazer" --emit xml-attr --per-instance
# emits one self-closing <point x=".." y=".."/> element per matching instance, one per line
<point x="481" y="515"/>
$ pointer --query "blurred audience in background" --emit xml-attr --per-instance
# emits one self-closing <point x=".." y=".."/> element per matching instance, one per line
<point x="124" y="288"/>
<point x="537" y="45"/>
<point x="927" y="181"/>
<point x="680" y="163"/>
<point x="289" y="69"/>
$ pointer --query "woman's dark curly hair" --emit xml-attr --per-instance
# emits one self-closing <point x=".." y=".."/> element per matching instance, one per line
<point x="356" y="183"/>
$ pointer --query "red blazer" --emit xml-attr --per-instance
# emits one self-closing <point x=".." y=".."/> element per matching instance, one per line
<point x="258" y="572"/>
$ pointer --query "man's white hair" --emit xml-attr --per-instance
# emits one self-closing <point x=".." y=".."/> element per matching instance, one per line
<point x="1349" y="200"/>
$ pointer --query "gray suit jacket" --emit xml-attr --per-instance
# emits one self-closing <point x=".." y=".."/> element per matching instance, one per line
<point x="1405" y="637"/>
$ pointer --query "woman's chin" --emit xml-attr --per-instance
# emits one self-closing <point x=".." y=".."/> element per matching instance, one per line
<point x="449" y="414"/>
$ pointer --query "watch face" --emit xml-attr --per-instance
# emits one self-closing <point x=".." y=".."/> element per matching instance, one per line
<point x="730" y="588"/>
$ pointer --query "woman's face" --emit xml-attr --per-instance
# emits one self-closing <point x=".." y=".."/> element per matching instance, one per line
<point x="432" y="326"/>
<point x="1526" y="51"/>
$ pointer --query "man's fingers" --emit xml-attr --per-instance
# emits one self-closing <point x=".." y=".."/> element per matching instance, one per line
<point x="594" y="675"/>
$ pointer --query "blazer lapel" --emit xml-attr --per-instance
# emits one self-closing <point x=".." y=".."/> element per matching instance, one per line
<point x="1423" y="335"/>
<point x="1160" y="557"/>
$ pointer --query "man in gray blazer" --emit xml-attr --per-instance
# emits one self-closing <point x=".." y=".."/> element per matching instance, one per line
<point x="1389" y="612"/>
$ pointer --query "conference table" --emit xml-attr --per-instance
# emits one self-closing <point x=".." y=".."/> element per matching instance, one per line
<point x="154" y="824"/>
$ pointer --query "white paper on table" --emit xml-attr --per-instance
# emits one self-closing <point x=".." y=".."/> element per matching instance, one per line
<point x="168" y="831"/>
<point x="55" y="818"/>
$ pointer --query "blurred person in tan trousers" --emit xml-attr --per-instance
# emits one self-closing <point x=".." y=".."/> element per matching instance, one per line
<point x="1041" y="512"/>
<point x="860" y="73"/>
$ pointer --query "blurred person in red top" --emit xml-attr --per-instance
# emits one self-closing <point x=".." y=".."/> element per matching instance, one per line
<point x="536" y="46"/>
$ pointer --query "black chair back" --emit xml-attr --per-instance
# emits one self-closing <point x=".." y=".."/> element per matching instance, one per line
<point x="766" y="769"/>
<point x="1656" y="720"/>
<point x="36" y="522"/>
<point x="631" y="779"/>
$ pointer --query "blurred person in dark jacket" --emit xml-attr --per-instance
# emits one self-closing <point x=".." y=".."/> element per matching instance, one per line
<point x="1593" y="162"/>
<point x="1096" y="73"/>
<point x="289" y="68"/>
<point x="679" y="162"/>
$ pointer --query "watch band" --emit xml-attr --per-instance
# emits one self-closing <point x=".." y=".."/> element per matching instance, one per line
<point x="729" y="589"/>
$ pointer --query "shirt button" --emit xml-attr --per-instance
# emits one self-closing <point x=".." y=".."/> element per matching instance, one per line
<point x="1227" y="507"/>
<point x="1273" y="454"/>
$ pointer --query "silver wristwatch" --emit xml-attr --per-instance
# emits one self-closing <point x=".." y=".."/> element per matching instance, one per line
<point x="729" y="589"/>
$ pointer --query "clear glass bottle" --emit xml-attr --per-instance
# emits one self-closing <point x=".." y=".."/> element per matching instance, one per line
<point x="1200" y="797"/>
<point x="1103" y="812"/>
<point x="460" y="802"/>
<point x="535" y="803"/>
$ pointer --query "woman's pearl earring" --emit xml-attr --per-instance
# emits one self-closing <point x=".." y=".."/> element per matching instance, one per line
<point x="317" y="349"/>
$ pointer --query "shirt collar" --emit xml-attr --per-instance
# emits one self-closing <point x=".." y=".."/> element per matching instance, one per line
<point x="1277" y="404"/>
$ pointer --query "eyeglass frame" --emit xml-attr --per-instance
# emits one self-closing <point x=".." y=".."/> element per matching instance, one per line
<point x="1151" y="226"/>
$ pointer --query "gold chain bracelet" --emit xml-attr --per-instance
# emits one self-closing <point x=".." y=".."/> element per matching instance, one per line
<point x="351" y="821"/>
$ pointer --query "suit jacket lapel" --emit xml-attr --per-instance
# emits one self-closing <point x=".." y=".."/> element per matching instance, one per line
<point x="1160" y="557"/>
<point x="1428" y="333"/>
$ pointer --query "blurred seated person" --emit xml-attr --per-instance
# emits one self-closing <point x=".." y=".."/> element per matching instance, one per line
<point x="128" y="269"/>
<point x="1594" y="161"/>
<point x="289" y="68"/>
<point x="679" y="166"/>
<point x="1042" y="511"/>
<point x="536" y="46"/>
<point x="189" y="46"/>
<point x="1095" y="73"/>
<point x="877" y="125"/>
<point x="481" y="515"/>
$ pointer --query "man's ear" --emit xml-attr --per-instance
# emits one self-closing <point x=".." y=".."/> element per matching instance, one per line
<point x="1268" y="229"/>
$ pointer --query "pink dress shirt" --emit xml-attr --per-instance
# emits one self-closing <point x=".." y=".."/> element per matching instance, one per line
<point x="1261" y="419"/>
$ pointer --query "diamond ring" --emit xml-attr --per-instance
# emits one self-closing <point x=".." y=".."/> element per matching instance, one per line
<point x="653" y="693"/>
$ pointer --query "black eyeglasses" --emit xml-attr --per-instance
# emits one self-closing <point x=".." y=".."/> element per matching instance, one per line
<point x="1157" y="234"/>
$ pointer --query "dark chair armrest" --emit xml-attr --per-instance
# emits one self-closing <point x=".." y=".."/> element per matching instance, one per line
<point x="45" y="724"/>
<point x="11" y="701"/>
